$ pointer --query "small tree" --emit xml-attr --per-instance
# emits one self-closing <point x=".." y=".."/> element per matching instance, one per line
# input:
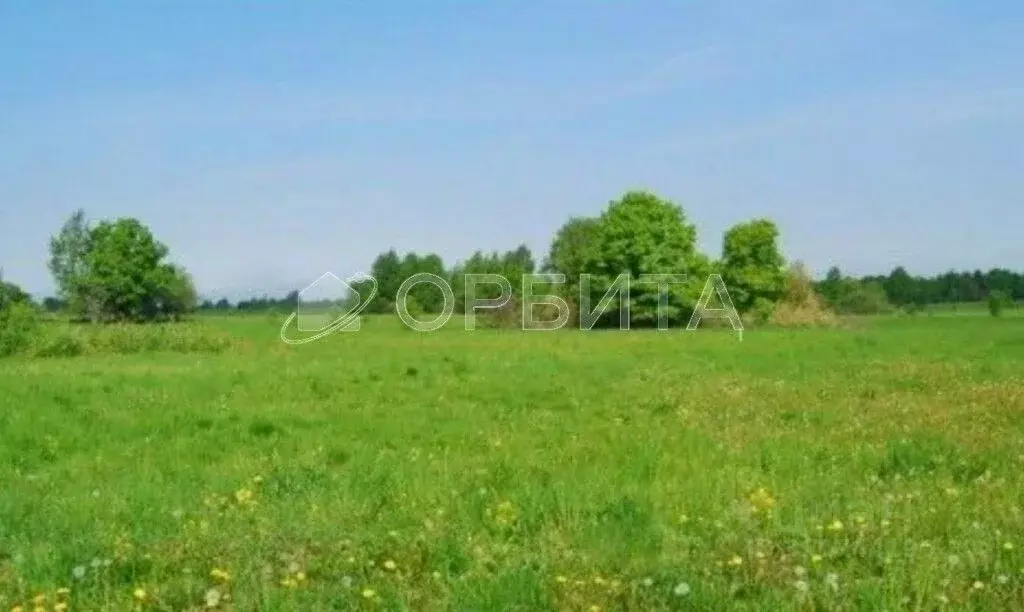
<point x="997" y="301"/>
<point x="752" y="265"/>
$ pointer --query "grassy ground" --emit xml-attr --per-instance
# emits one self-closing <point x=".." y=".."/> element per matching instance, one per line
<point x="869" y="468"/>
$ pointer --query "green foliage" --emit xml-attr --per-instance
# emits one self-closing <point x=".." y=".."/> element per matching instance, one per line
<point x="643" y="234"/>
<point x="752" y="265"/>
<point x="847" y="295"/>
<point x="997" y="301"/>
<point x="569" y="251"/>
<point x="115" y="271"/>
<point x="67" y="263"/>
<point x="19" y="326"/>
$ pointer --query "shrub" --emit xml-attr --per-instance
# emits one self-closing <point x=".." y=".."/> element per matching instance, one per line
<point x="997" y="301"/>
<point x="19" y="327"/>
<point x="801" y="306"/>
<point x="60" y="344"/>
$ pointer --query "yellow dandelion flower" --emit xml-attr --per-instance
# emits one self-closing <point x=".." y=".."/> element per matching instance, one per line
<point x="300" y="576"/>
<point x="60" y="607"/>
<point x="815" y="558"/>
<point x="17" y="608"/>
<point x="139" y="593"/>
<point x="736" y="561"/>
<point x="595" y="608"/>
<point x="288" y="582"/>
<point x="978" y="585"/>
<point x="369" y="593"/>
<point x="220" y="575"/>
<point x="600" y="581"/>
<point x="561" y="579"/>
<point x="39" y="599"/>
<point x="761" y="500"/>
<point x="1008" y="545"/>
<point x="835" y="525"/>
<point x="390" y="565"/>
<point x="63" y="592"/>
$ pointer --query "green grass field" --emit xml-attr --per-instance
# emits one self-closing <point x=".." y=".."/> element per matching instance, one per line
<point x="874" y="467"/>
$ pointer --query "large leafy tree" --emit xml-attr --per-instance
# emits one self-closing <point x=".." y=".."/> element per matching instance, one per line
<point x="752" y="264"/>
<point x="643" y="234"/>
<point x="116" y="270"/>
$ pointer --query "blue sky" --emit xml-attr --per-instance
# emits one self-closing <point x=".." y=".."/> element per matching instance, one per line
<point x="267" y="143"/>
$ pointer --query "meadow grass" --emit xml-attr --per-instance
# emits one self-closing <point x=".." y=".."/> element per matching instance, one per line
<point x="873" y="467"/>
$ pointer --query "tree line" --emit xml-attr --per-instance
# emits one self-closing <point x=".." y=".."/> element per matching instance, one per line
<point x="116" y="270"/>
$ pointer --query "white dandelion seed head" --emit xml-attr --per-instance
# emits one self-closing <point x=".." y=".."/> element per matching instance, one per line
<point x="682" y="589"/>
<point x="212" y="598"/>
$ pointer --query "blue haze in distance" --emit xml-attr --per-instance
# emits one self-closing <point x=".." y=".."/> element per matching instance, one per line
<point x="268" y="143"/>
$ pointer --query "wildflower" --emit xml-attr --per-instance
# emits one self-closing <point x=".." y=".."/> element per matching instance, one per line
<point x="832" y="580"/>
<point x="561" y="579"/>
<point x="978" y="585"/>
<point x="1008" y="545"/>
<point x="436" y="575"/>
<point x="836" y="525"/>
<point x="63" y="592"/>
<point x="736" y="561"/>
<point x="761" y="501"/>
<point x="647" y="582"/>
<point x="220" y="575"/>
<point x="300" y="576"/>
<point x="683" y="519"/>
<point x="369" y="593"/>
<point x="943" y="599"/>
<point x="288" y="582"/>
<point x="346" y="581"/>
<point x="78" y="572"/>
<point x="505" y="514"/>
<point x="799" y="571"/>
<point x="682" y="589"/>
<point x="17" y="608"/>
<point x="801" y="586"/>
<point x="39" y="599"/>
<point x="390" y="565"/>
<point x="61" y="606"/>
<point x="594" y="608"/>
<point x="212" y="598"/>
<point x="815" y="559"/>
<point x="1002" y="578"/>
<point x="139" y="594"/>
<point x="244" y="497"/>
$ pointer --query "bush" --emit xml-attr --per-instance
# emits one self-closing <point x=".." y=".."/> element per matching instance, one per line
<point x="60" y="344"/>
<point x="19" y="327"/>
<point x="997" y="301"/>
<point x="801" y="306"/>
